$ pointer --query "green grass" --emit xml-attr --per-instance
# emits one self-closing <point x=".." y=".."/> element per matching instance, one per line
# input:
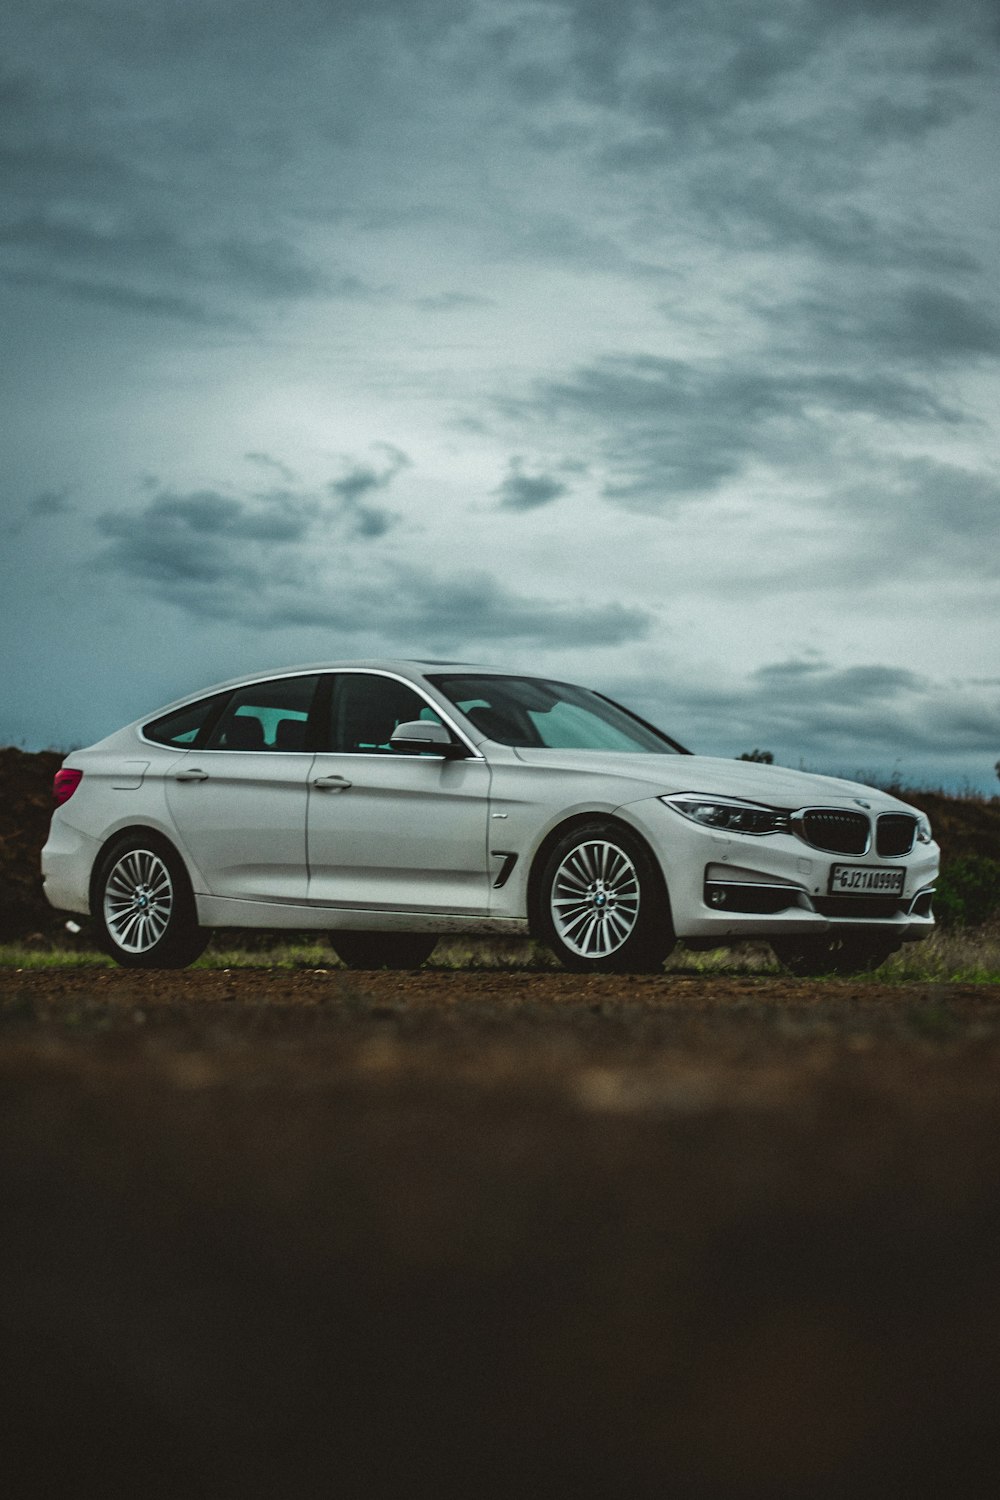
<point x="969" y="955"/>
<point x="20" y="956"/>
<point x="964" y="955"/>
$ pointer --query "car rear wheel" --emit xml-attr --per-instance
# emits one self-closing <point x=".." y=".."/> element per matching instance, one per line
<point x="602" y="904"/>
<point x="383" y="950"/>
<point x="143" y="908"/>
<point x="855" y="953"/>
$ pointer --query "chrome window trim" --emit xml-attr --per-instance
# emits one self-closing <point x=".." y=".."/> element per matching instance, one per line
<point x="229" y="689"/>
<point x="321" y="672"/>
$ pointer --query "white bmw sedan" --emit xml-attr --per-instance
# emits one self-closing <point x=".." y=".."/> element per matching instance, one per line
<point x="389" y="802"/>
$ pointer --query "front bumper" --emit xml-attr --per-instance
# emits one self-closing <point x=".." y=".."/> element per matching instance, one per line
<point x="728" y="887"/>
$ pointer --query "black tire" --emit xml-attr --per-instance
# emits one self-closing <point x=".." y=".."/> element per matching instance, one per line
<point x="854" y="953"/>
<point x="602" y="904"/>
<point x="142" y="905"/>
<point x="383" y="950"/>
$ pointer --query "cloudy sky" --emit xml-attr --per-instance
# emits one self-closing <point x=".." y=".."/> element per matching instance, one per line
<point x="649" y="343"/>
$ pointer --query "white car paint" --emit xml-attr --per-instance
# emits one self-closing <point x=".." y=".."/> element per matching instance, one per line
<point x="336" y="840"/>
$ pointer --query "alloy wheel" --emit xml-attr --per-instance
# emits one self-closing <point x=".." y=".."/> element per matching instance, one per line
<point x="595" y="899"/>
<point x="138" y="901"/>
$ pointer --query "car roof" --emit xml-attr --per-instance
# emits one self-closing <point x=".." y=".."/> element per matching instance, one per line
<point x="411" y="668"/>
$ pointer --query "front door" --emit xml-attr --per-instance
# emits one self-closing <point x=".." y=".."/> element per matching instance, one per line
<point x="392" y="832"/>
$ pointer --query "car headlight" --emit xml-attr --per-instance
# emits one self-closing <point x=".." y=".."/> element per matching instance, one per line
<point x="924" y="834"/>
<point x="729" y="814"/>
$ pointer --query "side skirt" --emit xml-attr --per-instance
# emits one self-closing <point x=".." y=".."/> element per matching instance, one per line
<point x="221" y="911"/>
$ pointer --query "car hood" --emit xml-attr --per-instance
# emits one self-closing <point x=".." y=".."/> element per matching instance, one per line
<point x="776" y="786"/>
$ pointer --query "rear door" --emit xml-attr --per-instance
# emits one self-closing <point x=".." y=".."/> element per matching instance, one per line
<point x="387" y="831"/>
<point x="239" y="803"/>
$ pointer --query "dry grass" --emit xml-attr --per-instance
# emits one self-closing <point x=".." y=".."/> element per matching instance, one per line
<point x="956" y="954"/>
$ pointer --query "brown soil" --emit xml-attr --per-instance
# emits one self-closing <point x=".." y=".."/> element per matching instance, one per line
<point x="25" y="810"/>
<point x="272" y="1233"/>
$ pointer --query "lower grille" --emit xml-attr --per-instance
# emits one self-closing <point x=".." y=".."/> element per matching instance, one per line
<point x="833" y="829"/>
<point x="858" y="906"/>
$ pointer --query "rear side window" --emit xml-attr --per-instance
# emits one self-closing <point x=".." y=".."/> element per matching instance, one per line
<point x="182" y="727"/>
<point x="267" y="716"/>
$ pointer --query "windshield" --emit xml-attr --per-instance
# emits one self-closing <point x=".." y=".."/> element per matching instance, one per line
<point x="532" y="714"/>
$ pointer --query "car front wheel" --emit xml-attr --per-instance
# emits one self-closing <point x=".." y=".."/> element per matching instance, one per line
<point x="602" y="903"/>
<point x="144" y="911"/>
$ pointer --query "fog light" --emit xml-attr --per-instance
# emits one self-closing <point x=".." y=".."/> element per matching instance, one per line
<point x="716" y="897"/>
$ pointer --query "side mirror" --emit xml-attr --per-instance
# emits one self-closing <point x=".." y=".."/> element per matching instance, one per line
<point x="422" y="736"/>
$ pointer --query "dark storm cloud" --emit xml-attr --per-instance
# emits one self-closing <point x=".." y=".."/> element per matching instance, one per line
<point x="151" y="267"/>
<point x="947" y="497"/>
<point x="122" y="245"/>
<point x="176" y="159"/>
<point x="477" y="605"/>
<point x="736" y="253"/>
<point x="772" y="212"/>
<point x="389" y="599"/>
<point x="126" y="299"/>
<point x="446" y="611"/>
<point x="814" y="681"/>
<point x="919" y="324"/>
<point x="363" y="519"/>
<point x="276" y="517"/>
<point x="361" y="478"/>
<point x="870" y="721"/>
<point x="908" y="523"/>
<point x="273" y="268"/>
<point x="523" y="491"/>
<point x="264" y="561"/>
<point x="930" y="322"/>
<point x="51" y="503"/>
<point x="937" y="520"/>
<point x="836" y="712"/>
<point x="41" y="508"/>
<point x="275" y="465"/>
<point x="768" y="122"/>
<point x="740" y="51"/>
<point x="670" y="429"/>
<point x="244" y="541"/>
<point x="454" y="302"/>
<point x="679" y="69"/>
<point x="200" y="538"/>
<point x="154" y="161"/>
<point x="904" y="527"/>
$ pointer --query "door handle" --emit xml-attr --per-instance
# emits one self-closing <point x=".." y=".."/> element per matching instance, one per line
<point x="331" y="783"/>
<point x="192" y="775"/>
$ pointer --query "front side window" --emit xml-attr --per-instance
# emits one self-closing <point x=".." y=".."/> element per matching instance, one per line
<point x="267" y="716"/>
<point x="366" y="709"/>
<point x="531" y="713"/>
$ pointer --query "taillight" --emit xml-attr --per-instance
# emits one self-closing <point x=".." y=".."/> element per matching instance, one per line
<point x="65" y="784"/>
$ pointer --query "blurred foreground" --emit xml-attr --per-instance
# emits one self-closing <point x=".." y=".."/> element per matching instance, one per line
<point x="292" y="1232"/>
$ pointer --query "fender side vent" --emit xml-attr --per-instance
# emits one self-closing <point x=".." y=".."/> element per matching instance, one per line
<point x="508" y="861"/>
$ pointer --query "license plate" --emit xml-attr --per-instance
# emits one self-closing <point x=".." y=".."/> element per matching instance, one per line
<point x="866" y="880"/>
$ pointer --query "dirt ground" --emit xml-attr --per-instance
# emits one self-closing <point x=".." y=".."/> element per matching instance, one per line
<point x="278" y="1233"/>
